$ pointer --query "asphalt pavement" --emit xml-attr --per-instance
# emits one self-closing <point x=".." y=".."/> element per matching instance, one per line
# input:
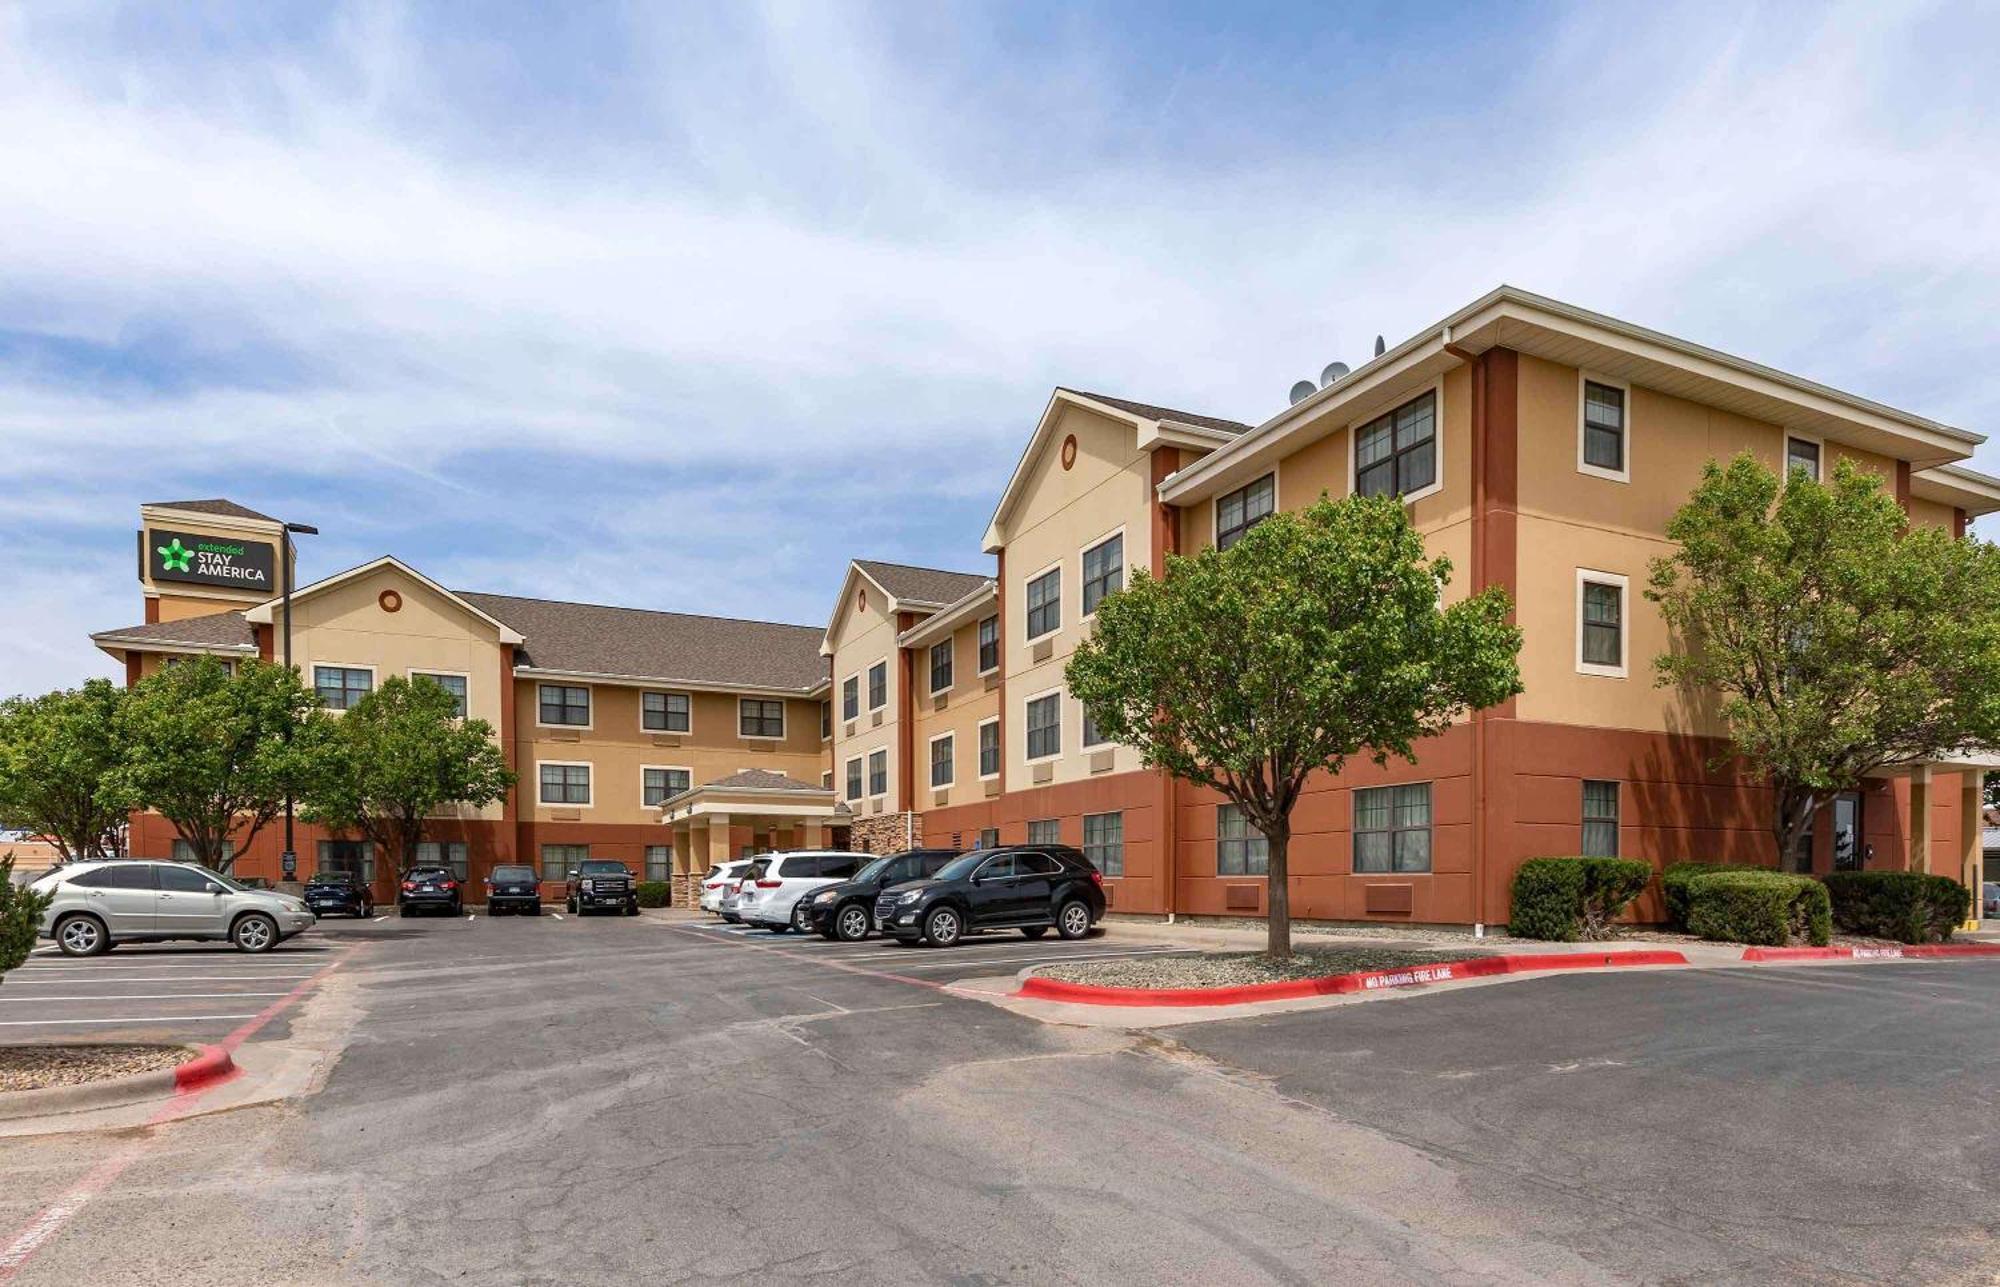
<point x="619" y="1099"/>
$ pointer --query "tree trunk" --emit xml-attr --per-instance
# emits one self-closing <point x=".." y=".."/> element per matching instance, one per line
<point x="1792" y="814"/>
<point x="1278" y="890"/>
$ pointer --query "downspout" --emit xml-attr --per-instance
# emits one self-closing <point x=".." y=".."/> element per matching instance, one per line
<point x="1478" y="383"/>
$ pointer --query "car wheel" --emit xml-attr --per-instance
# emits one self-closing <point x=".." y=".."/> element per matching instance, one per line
<point x="632" y="908"/>
<point x="942" y="927"/>
<point x="1073" y="921"/>
<point x="851" y="923"/>
<point x="255" y="932"/>
<point x="799" y="923"/>
<point x="82" y="936"/>
<point x="1034" y="931"/>
<point x="571" y="907"/>
<point x="402" y="910"/>
<point x="367" y="911"/>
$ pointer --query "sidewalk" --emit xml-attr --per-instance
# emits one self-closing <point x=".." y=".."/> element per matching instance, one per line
<point x="1233" y="938"/>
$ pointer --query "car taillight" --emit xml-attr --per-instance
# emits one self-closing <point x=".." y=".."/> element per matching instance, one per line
<point x="713" y="884"/>
<point x="769" y="884"/>
<point x="1097" y="878"/>
<point x="409" y="884"/>
<point x="449" y="885"/>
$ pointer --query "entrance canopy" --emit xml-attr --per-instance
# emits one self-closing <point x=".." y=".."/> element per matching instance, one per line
<point x="745" y="813"/>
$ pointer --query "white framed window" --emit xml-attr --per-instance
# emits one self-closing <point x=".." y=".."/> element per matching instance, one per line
<point x="559" y="860"/>
<point x="356" y="856"/>
<point x="659" y="783"/>
<point x="562" y="706"/>
<point x="1603" y="432"/>
<point x="826" y="780"/>
<point x="854" y="778"/>
<point x="659" y="862"/>
<point x="1045" y="603"/>
<point x="826" y="721"/>
<point x="1045" y="831"/>
<point x="878" y="771"/>
<point x="878" y="685"/>
<point x="850" y="697"/>
<point x="563" y="782"/>
<point x="1103" y="571"/>
<point x="1044" y="724"/>
<point x="452" y="681"/>
<point x="989" y="838"/>
<point x="941" y="667"/>
<point x="1104" y="842"/>
<point x="666" y="712"/>
<point x="1401" y="452"/>
<point x="1600" y="820"/>
<point x="943" y="771"/>
<point x="989" y="748"/>
<point x="340" y="687"/>
<point x="1804" y="455"/>
<point x="1240" y="849"/>
<point x="1601" y="643"/>
<point x="1238" y="511"/>
<point x="1092" y="735"/>
<point x="182" y="851"/>
<point x="443" y="853"/>
<point x="760" y="717"/>
<point x="1392" y="829"/>
<point x="989" y="645"/>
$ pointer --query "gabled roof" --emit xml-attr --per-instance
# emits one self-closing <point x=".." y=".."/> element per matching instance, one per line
<point x="951" y="616"/>
<point x="217" y="506"/>
<point x="764" y="780"/>
<point x="262" y="613"/>
<point x="914" y="587"/>
<point x="217" y="632"/>
<point x="1147" y="411"/>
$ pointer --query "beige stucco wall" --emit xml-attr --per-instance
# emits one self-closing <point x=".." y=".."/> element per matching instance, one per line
<point x="863" y="633"/>
<point x="958" y="711"/>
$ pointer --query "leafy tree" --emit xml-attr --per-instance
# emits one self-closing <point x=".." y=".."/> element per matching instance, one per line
<point x="1840" y="639"/>
<point x="20" y="917"/>
<point x="399" y="755"/>
<point x="217" y="753"/>
<point x="59" y="758"/>
<point x="1316" y="637"/>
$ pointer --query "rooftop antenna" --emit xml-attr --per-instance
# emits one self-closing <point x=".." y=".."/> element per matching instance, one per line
<point x="1334" y="371"/>
<point x="1378" y="346"/>
<point x="1302" y="390"/>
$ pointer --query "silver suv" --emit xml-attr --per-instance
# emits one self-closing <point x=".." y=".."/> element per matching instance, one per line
<point x="97" y="905"/>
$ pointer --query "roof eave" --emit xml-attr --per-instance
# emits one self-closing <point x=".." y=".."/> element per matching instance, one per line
<point x="949" y="617"/>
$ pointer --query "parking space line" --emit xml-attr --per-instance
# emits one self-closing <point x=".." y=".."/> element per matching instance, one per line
<point x="160" y="978"/>
<point x="136" y="996"/>
<point x="144" y="1019"/>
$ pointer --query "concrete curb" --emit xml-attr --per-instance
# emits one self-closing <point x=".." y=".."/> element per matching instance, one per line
<point x="1917" y="951"/>
<point x="1037" y="988"/>
<point x="209" y="1065"/>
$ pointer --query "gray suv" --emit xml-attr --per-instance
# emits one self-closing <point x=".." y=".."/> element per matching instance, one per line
<point x="97" y="905"/>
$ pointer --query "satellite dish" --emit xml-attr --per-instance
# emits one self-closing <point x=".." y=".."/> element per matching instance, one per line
<point x="1334" y="371"/>
<point x="1378" y="346"/>
<point x="1302" y="390"/>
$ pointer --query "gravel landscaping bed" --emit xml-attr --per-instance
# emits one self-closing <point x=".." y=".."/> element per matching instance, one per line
<point x="1231" y="969"/>
<point x="36" y="1067"/>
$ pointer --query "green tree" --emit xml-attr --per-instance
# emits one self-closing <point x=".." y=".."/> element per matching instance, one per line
<point x="59" y="758"/>
<point x="399" y="755"/>
<point x="20" y="917"/>
<point x="1839" y="639"/>
<point x="217" y="753"/>
<point x="1316" y="637"/>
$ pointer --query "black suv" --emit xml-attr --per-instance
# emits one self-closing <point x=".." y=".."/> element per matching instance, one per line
<point x="601" y="882"/>
<point x="513" y="888"/>
<point x="435" y="888"/>
<point x="1023" y="887"/>
<point x="342" y="892"/>
<point x="847" y="910"/>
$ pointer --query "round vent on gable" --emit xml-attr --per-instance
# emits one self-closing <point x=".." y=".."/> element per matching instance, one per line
<point x="1069" y="451"/>
<point x="390" y="601"/>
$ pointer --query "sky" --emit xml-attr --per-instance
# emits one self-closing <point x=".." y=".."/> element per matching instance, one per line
<point x="682" y="307"/>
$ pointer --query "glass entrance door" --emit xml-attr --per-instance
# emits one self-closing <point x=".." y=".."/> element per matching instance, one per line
<point x="1848" y="851"/>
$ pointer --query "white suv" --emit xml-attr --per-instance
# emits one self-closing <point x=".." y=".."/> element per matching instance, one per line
<point x="776" y="897"/>
<point x="720" y="882"/>
<point x="95" y="905"/>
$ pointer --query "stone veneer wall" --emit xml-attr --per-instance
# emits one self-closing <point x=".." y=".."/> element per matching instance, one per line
<point x="886" y="833"/>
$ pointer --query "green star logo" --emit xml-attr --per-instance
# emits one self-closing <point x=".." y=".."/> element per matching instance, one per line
<point x="174" y="557"/>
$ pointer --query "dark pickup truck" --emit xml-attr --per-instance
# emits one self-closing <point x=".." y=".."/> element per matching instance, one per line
<point x="601" y="883"/>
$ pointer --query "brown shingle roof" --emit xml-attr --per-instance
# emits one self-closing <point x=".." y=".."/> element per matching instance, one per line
<point x="219" y="630"/>
<point x="765" y="780"/>
<point x="1151" y="412"/>
<point x="225" y="508"/>
<point x="593" y="639"/>
<point x="921" y="585"/>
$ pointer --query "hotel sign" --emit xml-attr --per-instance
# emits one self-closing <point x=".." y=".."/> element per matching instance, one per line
<point x="208" y="560"/>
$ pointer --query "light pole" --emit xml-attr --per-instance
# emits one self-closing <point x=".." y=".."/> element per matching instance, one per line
<point x="289" y="863"/>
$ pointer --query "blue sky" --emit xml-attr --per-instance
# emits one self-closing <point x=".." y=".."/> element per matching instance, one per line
<point x="682" y="307"/>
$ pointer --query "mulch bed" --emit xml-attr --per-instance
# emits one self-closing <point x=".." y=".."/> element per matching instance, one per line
<point x="37" y="1067"/>
<point x="1233" y="969"/>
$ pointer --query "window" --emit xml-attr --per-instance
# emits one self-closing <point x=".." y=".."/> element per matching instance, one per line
<point x="665" y="712"/>
<point x="562" y="704"/>
<point x="558" y="860"/>
<point x="1238" y="511"/>
<point x="1240" y="849"/>
<point x="1600" y="642"/>
<point x="989" y="645"/>
<point x="448" y="853"/>
<point x="357" y="856"/>
<point x="659" y="861"/>
<point x="850" y="697"/>
<point x="854" y="778"/>
<point x="1045" y="831"/>
<point x="1103" y="571"/>
<point x="756" y="717"/>
<point x="1045" y="727"/>
<point x="878" y="772"/>
<point x="997" y="868"/>
<point x="989" y="838"/>
<point x="826" y="780"/>
<point x="1045" y="603"/>
<point x="1602" y="448"/>
<point x="878" y="685"/>
<point x="1092" y="735"/>
<point x="1104" y="842"/>
<point x="941" y="766"/>
<point x="180" y="880"/>
<point x="184" y="852"/>
<point x="1392" y="829"/>
<point x="1600" y="820"/>
<point x="657" y="786"/>
<point x="340" y="687"/>
<point x="453" y="684"/>
<point x="1396" y="454"/>
<point x="941" y="666"/>
<point x="1802" y="456"/>
<point x="989" y="749"/>
<point x="565" y="783"/>
<point x="825" y="720"/>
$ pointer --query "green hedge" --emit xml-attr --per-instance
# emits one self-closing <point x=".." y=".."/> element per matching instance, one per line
<point x="1674" y="885"/>
<point x="1767" y="908"/>
<point x="654" y="893"/>
<point x="1908" y="906"/>
<point x="1566" y="899"/>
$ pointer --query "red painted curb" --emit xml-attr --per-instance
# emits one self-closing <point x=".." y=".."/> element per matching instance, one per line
<point x="1038" y="988"/>
<point x="212" y="1065"/>
<point x="1892" y="953"/>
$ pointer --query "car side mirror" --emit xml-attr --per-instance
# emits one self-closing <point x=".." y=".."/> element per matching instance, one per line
<point x="572" y="874"/>
<point x="211" y="888"/>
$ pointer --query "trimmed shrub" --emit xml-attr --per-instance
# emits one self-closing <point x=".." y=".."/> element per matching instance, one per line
<point x="1566" y="899"/>
<point x="1908" y="906"/>
<point x="654" y="893"/>
<point x="1767" y="908"/>
<point x="1674" y="885"/>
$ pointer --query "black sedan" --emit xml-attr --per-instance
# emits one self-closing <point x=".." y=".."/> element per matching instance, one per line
<point x="1031" y="888"/>
<point x="847" y="910"/>
<point x="339" y="893"/>
<point x="513" y="889"/>
<point x="434" y="889"/>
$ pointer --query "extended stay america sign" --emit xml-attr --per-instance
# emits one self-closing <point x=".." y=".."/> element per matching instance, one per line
<point x="208" y="560"/>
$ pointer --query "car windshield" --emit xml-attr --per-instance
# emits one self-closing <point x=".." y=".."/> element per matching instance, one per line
<point x="513" y="873"/>
<point x="602" y="869"/>
<point x="960" y="868"/>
